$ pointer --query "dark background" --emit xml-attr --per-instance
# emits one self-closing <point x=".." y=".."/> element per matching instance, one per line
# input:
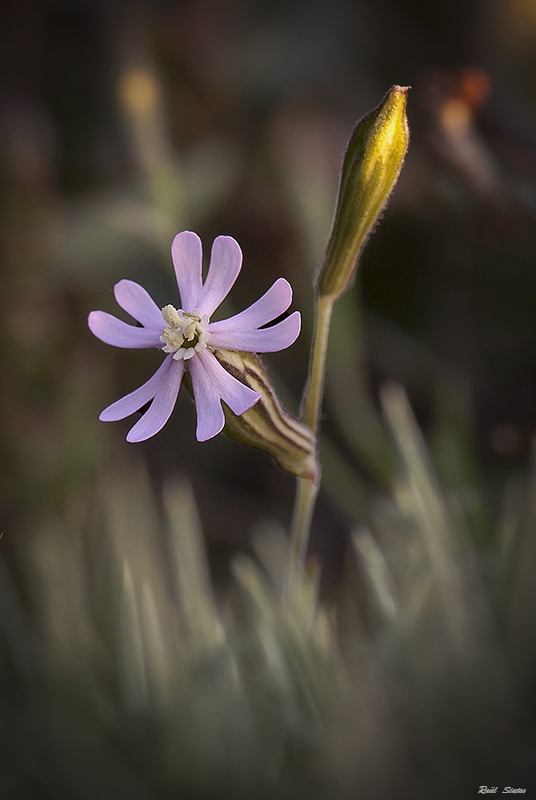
<point x="247" y="111"/>
<point x="124" y="123"/>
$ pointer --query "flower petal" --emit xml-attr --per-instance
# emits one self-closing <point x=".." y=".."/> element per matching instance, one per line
<point x="137" y="302"/>
<point x="114" y="331"/>
<point x="187" y="255"/>
<point x="160" y="409"/>
<point x="225" y="264"/>
<point x="266" y="340"/>
<point x="268" y="307"/>
<point x="162" y="388"/>
<point x="211" y="383"/>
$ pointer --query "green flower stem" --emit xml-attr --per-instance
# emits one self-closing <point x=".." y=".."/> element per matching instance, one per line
<point x="371" y="167"/>
<point x="312" y="400"/>
<point x="301" y="524"/>
<point x="307" y="489"/>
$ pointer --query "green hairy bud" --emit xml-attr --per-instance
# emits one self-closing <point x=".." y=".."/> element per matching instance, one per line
<point x="370" y="170"/>
<point x="268" y="426"/>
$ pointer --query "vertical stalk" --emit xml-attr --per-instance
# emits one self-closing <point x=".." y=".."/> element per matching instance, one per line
<point x="307" y="489"/>
<point x="312" y="399"/>
<point x="371" y="167"/>
<point x="301" y="523"/>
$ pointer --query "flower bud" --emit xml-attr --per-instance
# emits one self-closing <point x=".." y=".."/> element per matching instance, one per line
<point x="268" y="426"/>
<point x="370" y="169"/>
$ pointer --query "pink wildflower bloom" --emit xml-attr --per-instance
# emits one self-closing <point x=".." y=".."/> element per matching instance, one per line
<point x="189" y="338"/>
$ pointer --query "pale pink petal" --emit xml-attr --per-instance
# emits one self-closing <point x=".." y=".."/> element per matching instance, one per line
<point x="268" y="307"/>
<point x="135" y="400"/>
<point x="225" y="264"/>
<point x="162" y="388"/>
<point x="160" y="409"/>
<point x="114" y="331"/>
<point x="212" y="383"/>
<point x="137" y="302"/>
<point x="187" y="255"/>
<point x="266" y="340"/>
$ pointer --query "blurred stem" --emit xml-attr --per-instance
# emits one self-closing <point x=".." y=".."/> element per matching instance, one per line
<point x="312" y="403"/>
<point x="301" y="524"/>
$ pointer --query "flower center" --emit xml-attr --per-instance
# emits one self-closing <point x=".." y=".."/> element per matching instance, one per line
<point x="186" y="333"/>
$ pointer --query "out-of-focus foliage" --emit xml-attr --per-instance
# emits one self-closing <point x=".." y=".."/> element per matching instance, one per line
<point x="120" y="673"/>
<point x="125" y="675"/>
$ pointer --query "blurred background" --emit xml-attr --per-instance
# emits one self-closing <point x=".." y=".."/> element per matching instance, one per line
<point x="124" y="123"/>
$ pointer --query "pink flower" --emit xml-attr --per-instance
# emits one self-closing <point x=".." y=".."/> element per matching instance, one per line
<point x="189" y="338"/>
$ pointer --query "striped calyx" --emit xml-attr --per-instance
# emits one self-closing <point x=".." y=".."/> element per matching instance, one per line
<point x="268" y="426"/>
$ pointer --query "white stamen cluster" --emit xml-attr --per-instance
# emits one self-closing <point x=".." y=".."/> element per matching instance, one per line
<point x="186" y="333"/>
